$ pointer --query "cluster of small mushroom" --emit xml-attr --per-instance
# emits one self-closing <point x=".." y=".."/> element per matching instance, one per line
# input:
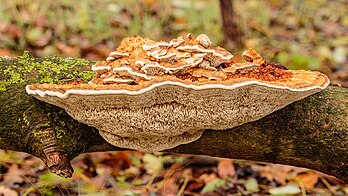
<point x="141" y="59"/>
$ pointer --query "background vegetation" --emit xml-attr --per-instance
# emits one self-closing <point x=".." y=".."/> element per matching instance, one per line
<point x="300" y="34"/>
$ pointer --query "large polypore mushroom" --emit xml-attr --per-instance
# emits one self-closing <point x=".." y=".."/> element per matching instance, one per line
<point x="151" y="96"/>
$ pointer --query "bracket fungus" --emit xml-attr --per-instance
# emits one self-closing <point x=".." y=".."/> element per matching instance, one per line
<point x="151" y="96"/>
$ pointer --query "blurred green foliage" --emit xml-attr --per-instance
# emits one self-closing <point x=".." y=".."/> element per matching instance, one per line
<point x="43" y="26"/>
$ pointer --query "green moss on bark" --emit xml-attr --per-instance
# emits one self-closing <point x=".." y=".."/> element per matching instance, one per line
<point x="15" y="74"/>
<point x="26" y="69"/>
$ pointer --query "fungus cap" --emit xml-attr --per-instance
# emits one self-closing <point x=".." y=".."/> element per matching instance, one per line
<point x="150" y="104"/>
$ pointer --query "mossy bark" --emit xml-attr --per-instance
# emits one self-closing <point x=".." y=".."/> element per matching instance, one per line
<point x="311" y="133"/>
<point x="29" y="125"/>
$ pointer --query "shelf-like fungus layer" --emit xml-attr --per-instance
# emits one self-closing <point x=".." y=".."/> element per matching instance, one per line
<point x="151" y="96"/>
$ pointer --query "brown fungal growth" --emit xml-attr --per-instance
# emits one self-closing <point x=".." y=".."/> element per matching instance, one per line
<point x="151" y="96"/>
<point x="252" y="56"/>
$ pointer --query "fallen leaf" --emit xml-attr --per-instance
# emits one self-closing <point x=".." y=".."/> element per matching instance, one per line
<point x="33" y="34"/>
<point x="345" y="189"/>
<point x="49" y="179"/>
<point x="340" y="55"/>
<point x="121" y="182"/>
<point x="169" y="187"/>
<point x="332" y="179"/>
<point x="41" y="20"/>
<point x="103" y="180"/>
<point x="207" y="178"/>
<point x="118" y="160"/>
<point x="11" y="30"/>
<point x="7" y="191"/>
<point x="213" y="185"/>
<point x="226" y="168"/>
<point x="285" y="190"/>
<point x="187" y="173"/>
<point x="6" y="53"/>
<point x="13" y="176"/>
<point x="68" y="50"/>
<point x="195" y="186"/>
<point x="308" y="179"/>
<point x="153" y="164"/>
<point x="89" y="166"/>
<point x="44" y="40"/>
<point x="252" y="185"/>
<point x="279" y="173"/>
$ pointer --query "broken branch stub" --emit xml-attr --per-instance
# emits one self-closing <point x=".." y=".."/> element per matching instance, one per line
<point x="151" y="96"/>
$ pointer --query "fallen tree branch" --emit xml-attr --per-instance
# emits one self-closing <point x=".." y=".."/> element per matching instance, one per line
<point x="311" y="133"/>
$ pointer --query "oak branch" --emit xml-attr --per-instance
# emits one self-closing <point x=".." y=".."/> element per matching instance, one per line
<point x="311" y="133"/>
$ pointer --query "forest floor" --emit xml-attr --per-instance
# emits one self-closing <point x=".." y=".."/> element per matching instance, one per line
<point x="300" y="34"/>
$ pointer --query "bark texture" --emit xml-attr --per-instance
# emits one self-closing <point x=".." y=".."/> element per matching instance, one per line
<point x="311" y="133"/>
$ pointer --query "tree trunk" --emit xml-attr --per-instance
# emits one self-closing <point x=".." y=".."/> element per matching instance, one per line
<point x="232" y="33"/>
<point x="311" y="133"/>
